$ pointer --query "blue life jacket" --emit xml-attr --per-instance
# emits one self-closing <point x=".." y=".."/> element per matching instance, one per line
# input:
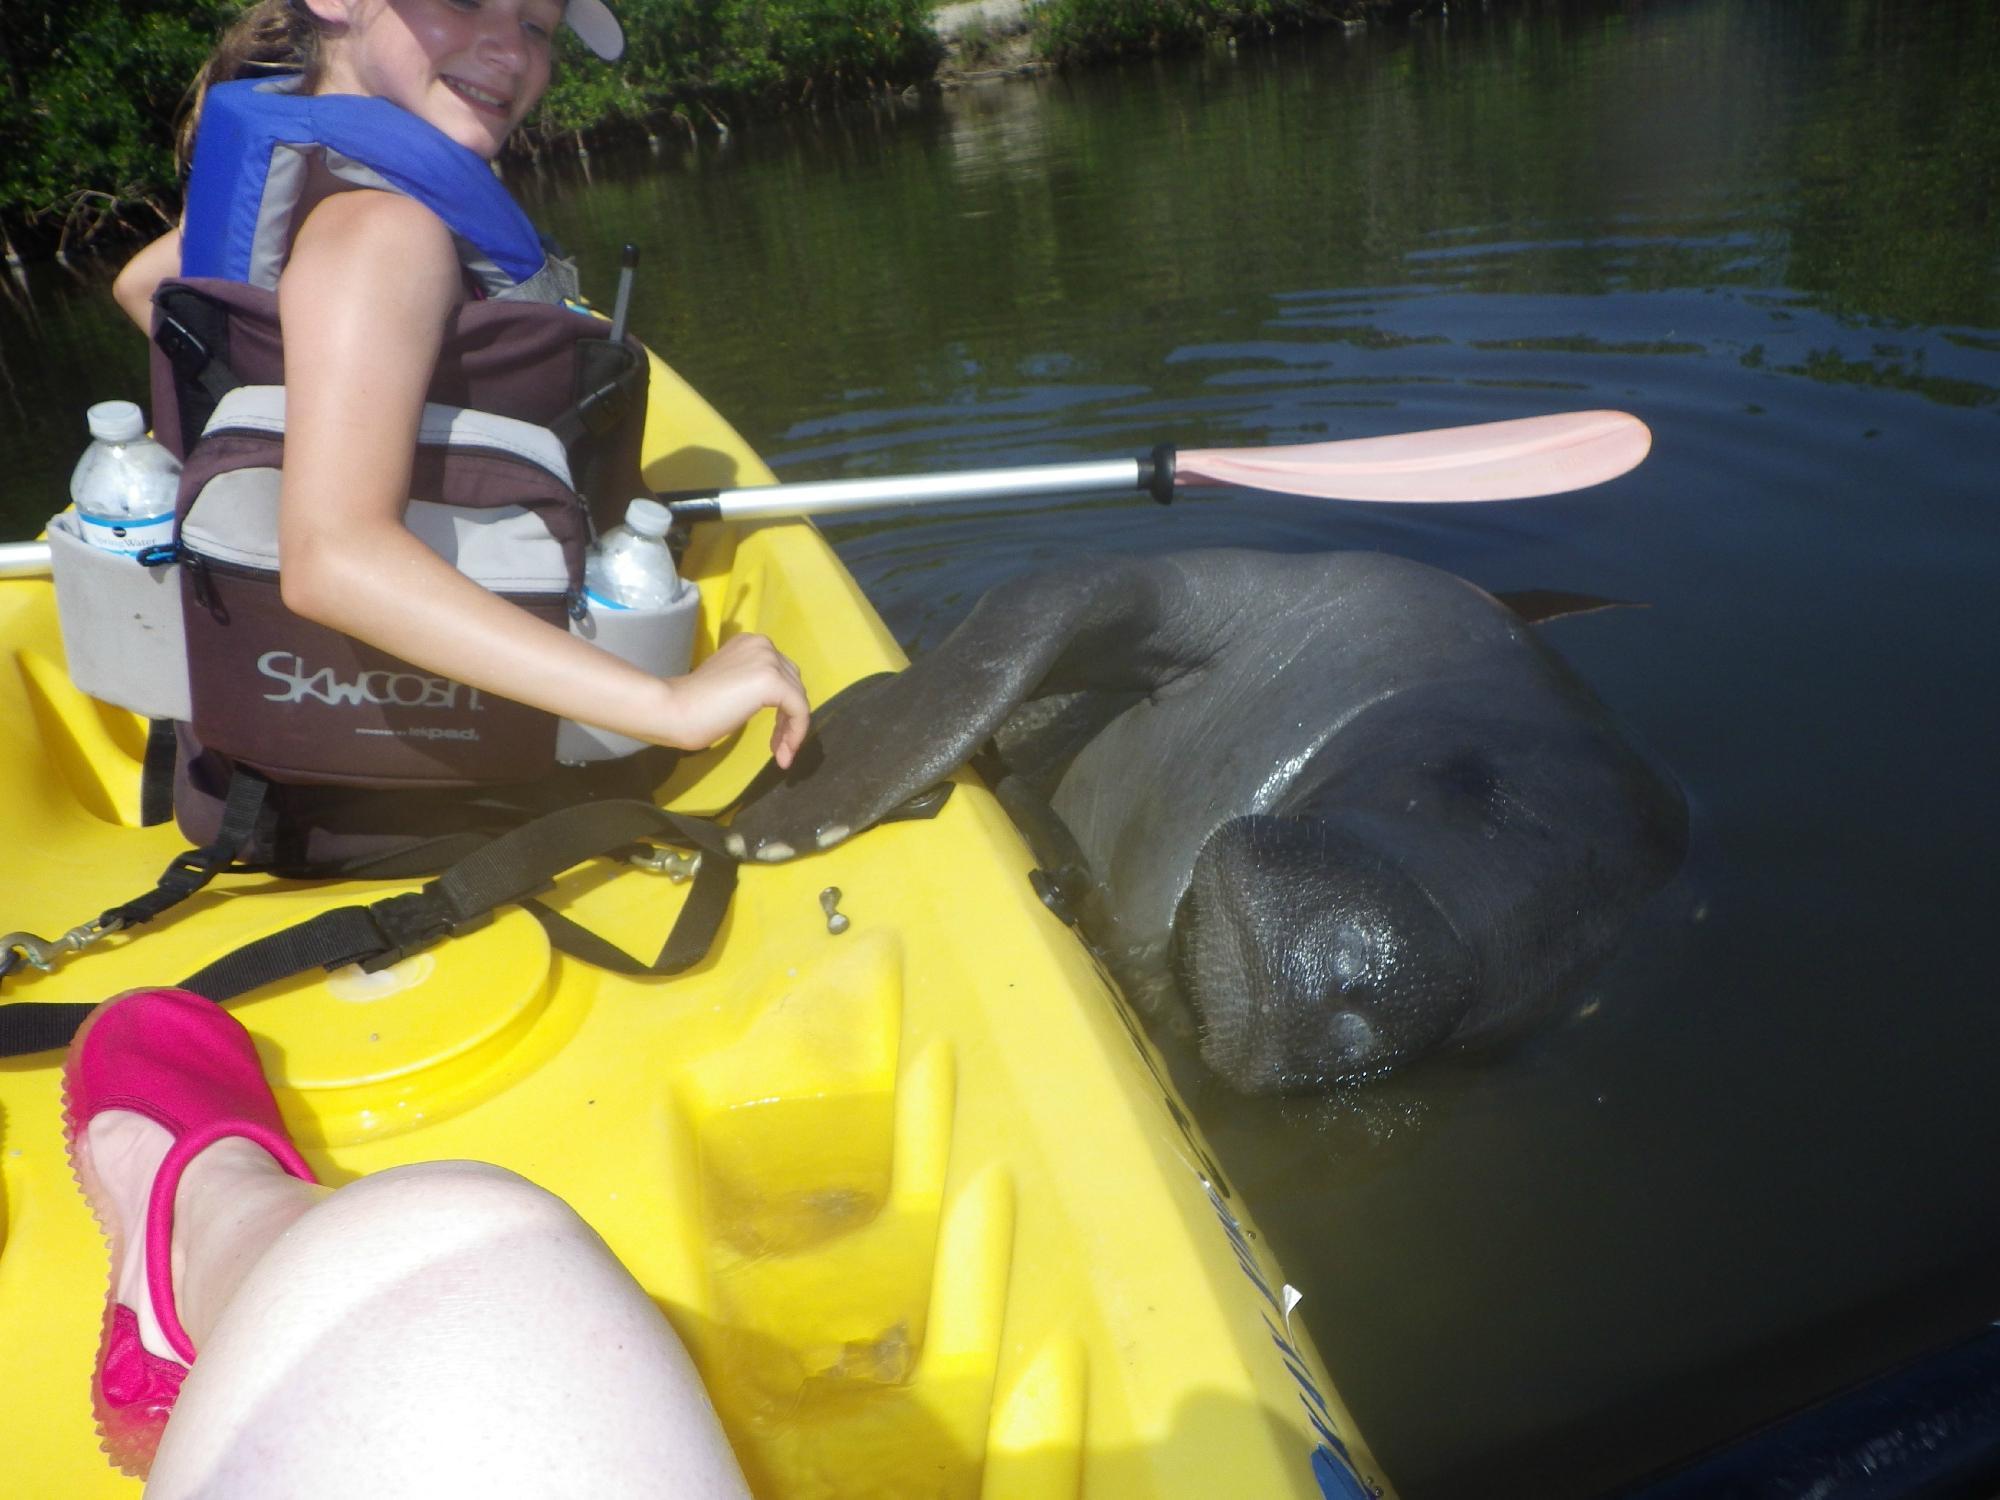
<point x="259" y="137"/>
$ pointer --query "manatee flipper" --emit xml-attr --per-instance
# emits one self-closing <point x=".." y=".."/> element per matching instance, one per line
<point x="889" y="738"/>
<point x="1040" y="739"/>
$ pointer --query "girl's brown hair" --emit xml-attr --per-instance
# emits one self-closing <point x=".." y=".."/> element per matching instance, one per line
<point x="271" y="36"/>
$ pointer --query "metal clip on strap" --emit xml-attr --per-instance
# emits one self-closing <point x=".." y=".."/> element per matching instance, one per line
<point x="42" y="953"/>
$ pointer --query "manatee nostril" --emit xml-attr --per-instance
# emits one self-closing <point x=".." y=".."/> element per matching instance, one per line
<point x="1351" y="956"/>
<point x="1354" y="1040"/>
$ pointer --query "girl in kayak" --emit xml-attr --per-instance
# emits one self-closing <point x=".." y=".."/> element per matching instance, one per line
<point x="366" y="282"/>
<point x="439" y="1329"/>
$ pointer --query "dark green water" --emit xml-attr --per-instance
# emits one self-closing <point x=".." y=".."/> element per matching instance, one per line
<point x="1762" y="1165"/>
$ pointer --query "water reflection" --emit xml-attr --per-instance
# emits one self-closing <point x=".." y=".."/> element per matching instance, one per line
<point x="997" y="130"/>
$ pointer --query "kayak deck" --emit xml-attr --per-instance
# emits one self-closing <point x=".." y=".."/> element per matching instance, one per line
<point x="916" y="1194"/>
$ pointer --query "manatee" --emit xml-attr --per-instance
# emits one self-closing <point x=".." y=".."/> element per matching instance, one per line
<point x="1348" y="806"/>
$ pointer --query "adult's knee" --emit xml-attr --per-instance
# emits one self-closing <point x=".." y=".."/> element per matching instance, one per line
<point x="455" y="1200"/>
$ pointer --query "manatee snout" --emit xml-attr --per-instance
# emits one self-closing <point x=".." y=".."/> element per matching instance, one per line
<point x="1311" y="958"/>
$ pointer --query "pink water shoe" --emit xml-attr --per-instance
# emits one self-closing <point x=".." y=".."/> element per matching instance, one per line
<point x="188" y="1065"/>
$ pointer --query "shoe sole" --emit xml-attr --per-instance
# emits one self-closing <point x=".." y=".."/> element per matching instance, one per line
<point x="129" y="1437"/>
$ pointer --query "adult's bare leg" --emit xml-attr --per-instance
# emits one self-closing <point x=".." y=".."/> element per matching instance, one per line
<point x="447" y="1328"/>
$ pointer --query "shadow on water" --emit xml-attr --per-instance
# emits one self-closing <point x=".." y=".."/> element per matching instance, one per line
<point x="1754" y="1165"/>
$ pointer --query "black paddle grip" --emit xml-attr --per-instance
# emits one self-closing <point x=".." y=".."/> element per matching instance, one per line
<point x="1156" y="474"/>
<point x="690" y="506"/>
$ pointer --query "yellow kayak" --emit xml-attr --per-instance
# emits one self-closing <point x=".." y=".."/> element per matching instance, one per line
<point x="916" y="1193"/>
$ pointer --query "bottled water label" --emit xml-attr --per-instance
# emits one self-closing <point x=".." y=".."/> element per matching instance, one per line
<point x="601" y="602"/>
<point x="125" y="484"/>
<point x="129" y="534"/>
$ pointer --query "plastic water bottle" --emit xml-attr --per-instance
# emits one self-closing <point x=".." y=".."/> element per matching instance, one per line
<point x="125" y="483"/>
<point x="630" y="566"/>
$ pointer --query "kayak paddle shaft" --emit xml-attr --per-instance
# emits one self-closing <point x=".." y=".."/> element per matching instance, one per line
<point x="821" y="497"/>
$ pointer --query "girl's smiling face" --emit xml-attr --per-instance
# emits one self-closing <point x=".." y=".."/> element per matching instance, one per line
<point x="472" y="68"/>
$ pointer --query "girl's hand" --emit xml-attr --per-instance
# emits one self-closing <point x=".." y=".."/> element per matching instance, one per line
<point x="745" y="674"/>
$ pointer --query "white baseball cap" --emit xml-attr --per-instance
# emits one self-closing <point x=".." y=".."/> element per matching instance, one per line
<point x="592" y="20"/>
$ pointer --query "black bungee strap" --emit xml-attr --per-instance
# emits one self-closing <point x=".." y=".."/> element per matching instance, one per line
<point x="505" y="870"/>
<point x="33" y="1026"/>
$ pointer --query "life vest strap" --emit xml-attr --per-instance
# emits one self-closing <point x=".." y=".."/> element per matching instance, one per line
<point x="156" y="773"/>
<point x="191" y="870"/>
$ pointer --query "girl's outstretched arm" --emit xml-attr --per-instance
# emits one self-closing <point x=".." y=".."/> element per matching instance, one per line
<point x="142" y="275"/>
<point x="364" y="300"/>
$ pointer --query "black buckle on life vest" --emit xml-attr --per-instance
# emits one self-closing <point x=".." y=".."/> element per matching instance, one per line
<point x="604" y="408"/>
<point x="181" y="345"/>
<point x="194" y="866"/>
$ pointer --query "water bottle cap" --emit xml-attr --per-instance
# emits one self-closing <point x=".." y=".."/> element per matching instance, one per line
<point x="116" y="421"/>
<point x="649" y="517"/>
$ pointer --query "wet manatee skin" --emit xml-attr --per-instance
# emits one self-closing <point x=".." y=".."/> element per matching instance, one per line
<point x="1351" y="807"/>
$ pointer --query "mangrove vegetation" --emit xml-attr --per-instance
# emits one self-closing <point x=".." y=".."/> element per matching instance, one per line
<point x="91" y="91"/>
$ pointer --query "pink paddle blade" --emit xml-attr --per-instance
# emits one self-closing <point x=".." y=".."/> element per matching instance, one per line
<point x="1491" y="461"/>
